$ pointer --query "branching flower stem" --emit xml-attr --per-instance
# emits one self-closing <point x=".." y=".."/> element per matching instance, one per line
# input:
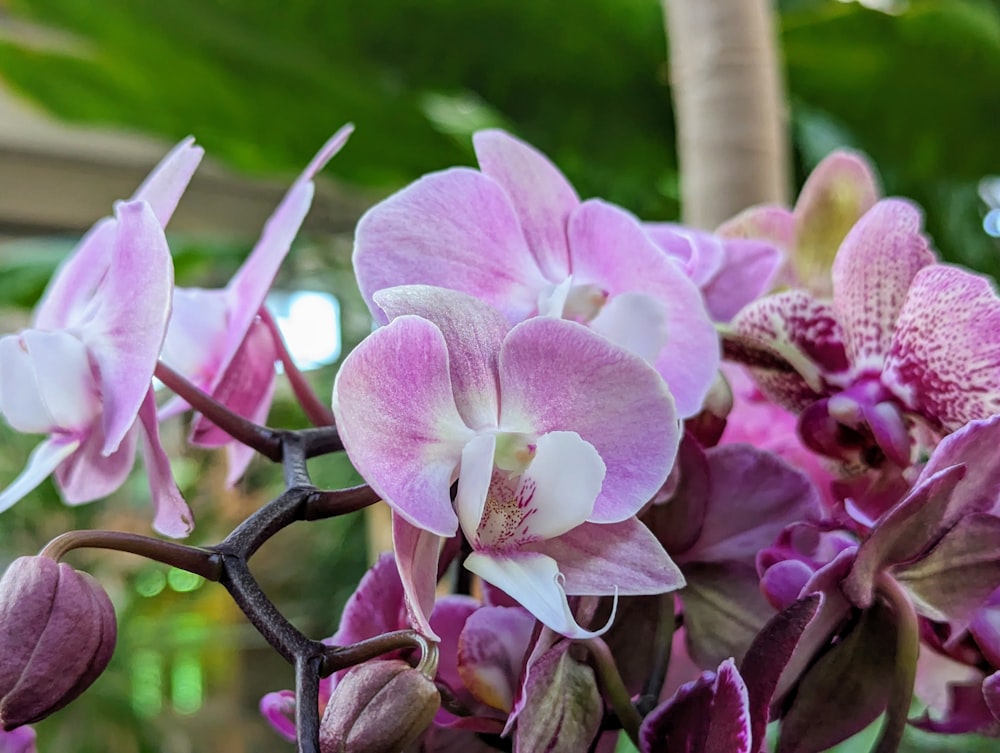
<point x="613" y="687"/>
<point x="904" y="676"/>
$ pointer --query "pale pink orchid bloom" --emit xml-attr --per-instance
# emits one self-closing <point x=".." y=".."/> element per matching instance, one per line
<point x="216" y="339"/>
<point x="84" y="374"/>
<point x="555" y="435"/>
<point x="515" y="234"/>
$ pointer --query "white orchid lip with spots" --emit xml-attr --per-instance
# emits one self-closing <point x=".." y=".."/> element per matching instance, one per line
<point x="555" y="435"/>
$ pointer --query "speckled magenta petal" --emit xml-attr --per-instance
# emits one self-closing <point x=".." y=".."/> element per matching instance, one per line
<point x="473" y="332"/>
<point x="944" y="359"/>
<point x="455" y="229"/>
<point x="540" y="194"/>
<point x="396" y="415"/>
<point x="617" y="403"/>
<point x="871" y="276"/>
<point x="804" y="334"/>
<point x="610" y="250"/>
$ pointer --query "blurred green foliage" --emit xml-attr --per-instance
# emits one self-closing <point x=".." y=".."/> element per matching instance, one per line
<point x="262" y="84"/>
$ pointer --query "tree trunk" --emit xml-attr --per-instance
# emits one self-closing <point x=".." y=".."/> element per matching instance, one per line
<point x="729" y="103"/>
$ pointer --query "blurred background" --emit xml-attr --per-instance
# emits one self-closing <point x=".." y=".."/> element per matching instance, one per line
<point x="92" y="95"/>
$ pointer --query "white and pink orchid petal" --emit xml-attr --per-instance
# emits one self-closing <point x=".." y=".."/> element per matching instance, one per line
<point x="535" y="582"/>
<point x="617" y="403"/>
<point x="375" y="607"/>
<point x="65" y="381"/>
<point x="562" y="483"/>
<point x="540" y="194"/>
<point x="473" y="332"/>
<point x="72" y="286"/>
<point x="474" y="481"/>
<point x="197" y="334"/>
<point x="44" y="459"/>
<point x="89" y="474"/>
<point x="417" y="553"/>
<point x="163" y="187"/>
<point x="129" y="317"/>
<point x="20" y="396"/>
<point x="803" y="332"/>
<point x="171" y="515"/>
<point x="944" y="361"/>
<point x="838" y="192"/>
<point x="397" y="418"/>
<point x="750" y="270"/>
<point x="599" y="559"/>
<point x="637" y="322"/>
<point x="456" y="229"/>
<point x="611" y="250"/>
<point x="871" y="275"/>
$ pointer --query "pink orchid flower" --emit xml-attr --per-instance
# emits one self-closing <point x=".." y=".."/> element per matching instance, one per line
<point x="84" y="374"/>
<point x="216" y="338"/>
<point x="555" y="435"/>
<point x="905" y="352"/>
<point x="515" y="234"/>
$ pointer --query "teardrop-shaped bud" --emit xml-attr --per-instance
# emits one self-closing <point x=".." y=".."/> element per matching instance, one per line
<point x="378" y="707"/>
<point x="57" y="635"/>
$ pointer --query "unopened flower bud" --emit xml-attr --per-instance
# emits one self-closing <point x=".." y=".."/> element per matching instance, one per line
<point x="57" y="634"/>
<point x="378" y="707"/>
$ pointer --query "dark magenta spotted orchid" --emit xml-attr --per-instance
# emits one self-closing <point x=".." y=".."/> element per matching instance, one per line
<point x="902" y="354"/>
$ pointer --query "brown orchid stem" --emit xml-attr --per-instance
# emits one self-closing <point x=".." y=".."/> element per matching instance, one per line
<point x="307" y="703"/>
<point x="203" y="562"/>
<point x="338" y="657"/>
<point x="613" y="687"/>
<point x="264" y="440"/>
<point x="907" y="649"/>
<point x="315" y="409"/>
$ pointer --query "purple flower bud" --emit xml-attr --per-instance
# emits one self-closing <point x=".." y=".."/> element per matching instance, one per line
<point x="57" y="634"/>
<point x="378" y="707"/>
